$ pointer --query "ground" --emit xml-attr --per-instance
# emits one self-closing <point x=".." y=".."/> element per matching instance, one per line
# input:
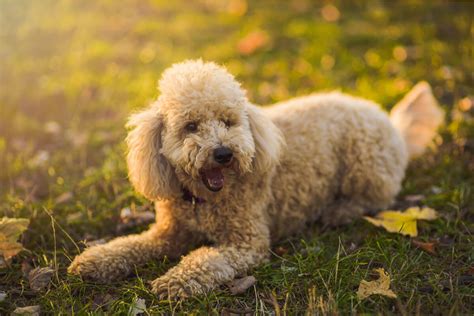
<point x="71" y="72"/>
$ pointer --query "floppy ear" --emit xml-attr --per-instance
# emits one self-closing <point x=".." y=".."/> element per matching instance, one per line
<point x="267" y="137"/>
<point x="149" y="171"/>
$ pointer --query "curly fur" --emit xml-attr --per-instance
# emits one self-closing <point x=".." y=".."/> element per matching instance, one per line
<point x="328" y="157"/>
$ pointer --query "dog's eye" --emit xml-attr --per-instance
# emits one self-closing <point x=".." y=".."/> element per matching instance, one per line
<point x="191" y="127"/>
<point x="228" y="123"/>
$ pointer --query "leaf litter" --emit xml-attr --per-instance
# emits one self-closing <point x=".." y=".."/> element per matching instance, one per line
<point x="10" y="231"/>
<point x="403" y="223"/>
<point x="40" y="278"/>
<point x="381" y="286"/>
<point x="137" y="307"/>
<point x="33" y="310"/>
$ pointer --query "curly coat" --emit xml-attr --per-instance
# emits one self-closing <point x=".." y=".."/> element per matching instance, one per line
<point x="328" y="157"/>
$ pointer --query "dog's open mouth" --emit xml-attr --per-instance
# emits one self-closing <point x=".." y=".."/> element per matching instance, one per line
<point x="213" y="179"/>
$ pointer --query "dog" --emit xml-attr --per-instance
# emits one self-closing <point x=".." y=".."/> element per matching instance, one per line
<point x="235" y="176"/>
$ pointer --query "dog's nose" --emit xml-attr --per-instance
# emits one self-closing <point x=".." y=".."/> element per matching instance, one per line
<point x="223" y="155"/>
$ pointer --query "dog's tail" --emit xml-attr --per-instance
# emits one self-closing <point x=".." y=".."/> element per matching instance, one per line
<point x="417" y="116"/>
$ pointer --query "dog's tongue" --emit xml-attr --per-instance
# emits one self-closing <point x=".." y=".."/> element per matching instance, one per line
<point x="214" y="179"/>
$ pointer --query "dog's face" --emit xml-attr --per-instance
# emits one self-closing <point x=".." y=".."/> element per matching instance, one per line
<point x="207" y="142"/>
<point x="201" y="134"/>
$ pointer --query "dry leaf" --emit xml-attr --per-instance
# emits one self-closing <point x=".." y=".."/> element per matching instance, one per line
<point x="40" y="278"/>
<point x="402" y="223"/>
<point x="426" y="246"/>
<point x="239" y="286"/>
<point x="27" y="310"/>
<point x="63" y="198"/>
<point x="381" y="286"/>
<point x="253" y="41"/>
<point x="281" y="251"/>
<point x="129" y="219"/>
<point x="10" y="231"/>
<point x="138" y="307"/>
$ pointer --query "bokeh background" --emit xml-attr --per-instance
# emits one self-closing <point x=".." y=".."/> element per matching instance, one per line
<point x="72" y="71"/>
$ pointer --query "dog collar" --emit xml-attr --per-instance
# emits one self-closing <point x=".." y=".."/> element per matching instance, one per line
<point x="189" y="197"/>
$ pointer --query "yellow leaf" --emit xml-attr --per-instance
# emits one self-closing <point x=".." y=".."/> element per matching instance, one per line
<point x="402" y="223"/>
<point x="380" y="286"/>
<point x="10" y="231"/>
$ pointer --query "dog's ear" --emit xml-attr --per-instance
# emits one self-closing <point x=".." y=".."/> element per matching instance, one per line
<point x="267" y="137"/>
<point x="149" y="171"/>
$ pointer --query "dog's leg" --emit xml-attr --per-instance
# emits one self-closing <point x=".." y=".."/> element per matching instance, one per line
<point x="116" y="259"/>
<point x="208" y="267"/>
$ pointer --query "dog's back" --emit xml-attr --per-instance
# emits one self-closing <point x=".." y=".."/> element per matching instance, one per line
<point x="343" y="158"/>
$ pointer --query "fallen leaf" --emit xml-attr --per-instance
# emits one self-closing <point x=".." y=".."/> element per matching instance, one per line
<point x="63" y="198"/>
<point x="239" y="286"/>
<point x="10" y="231"/>
<point x="40" y="278"/>
<point x="381" y="286"/>
<point x="402" y="222"/>
<point x="129" y="219"/>
<point x="252" y="41"/>
<point x="471" y="270"/>
<point x="138" y="307"/>
<point x="426" y="246"/>
<point x="281" y="251"/>
<point x="27" y="310"/>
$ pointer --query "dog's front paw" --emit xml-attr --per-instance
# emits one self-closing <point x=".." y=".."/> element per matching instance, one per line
<point x="98" y="264"/>
<point x="176" y="287"/>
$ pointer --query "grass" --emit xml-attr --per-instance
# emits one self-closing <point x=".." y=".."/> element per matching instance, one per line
<point x="71" y="72"/>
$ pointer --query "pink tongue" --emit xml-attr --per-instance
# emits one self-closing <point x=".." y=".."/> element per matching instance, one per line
<point x="215" y="178"/>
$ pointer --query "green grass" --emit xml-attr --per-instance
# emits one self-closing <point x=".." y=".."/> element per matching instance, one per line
<point x="71" y="72"/>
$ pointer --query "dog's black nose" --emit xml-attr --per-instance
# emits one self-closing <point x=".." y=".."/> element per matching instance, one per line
<point x="223" y="155"/>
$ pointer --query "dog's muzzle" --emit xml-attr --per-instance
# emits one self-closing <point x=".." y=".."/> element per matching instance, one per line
<point x="223" y="155"/>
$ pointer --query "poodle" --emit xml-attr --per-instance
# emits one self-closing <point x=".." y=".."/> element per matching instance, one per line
<point x="234" y="177"/>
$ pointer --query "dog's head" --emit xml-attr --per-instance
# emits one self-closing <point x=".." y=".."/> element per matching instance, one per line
<point x="200" y="134"/>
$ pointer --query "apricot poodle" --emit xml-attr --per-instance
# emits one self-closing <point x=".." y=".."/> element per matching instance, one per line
<point x="238" y="177"/>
